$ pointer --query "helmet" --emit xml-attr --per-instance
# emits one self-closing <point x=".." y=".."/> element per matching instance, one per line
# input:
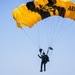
<point x="43" y="52"/>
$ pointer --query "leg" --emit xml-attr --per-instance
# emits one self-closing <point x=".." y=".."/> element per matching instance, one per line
<point x="44" y="66"/>
<point x="41" y="66"/>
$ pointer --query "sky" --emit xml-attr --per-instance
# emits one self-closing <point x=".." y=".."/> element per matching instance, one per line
<point x="19" y="49"/>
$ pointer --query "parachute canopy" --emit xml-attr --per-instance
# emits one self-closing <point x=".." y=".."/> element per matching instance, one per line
<point x="32" y="12"/>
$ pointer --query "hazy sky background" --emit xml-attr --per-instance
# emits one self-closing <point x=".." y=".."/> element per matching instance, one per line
<point x="18" y="54"/>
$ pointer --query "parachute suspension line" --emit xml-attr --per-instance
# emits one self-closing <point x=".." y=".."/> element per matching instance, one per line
<point x="59" y="31"/>
<point x="57" y="24"/>
<point x="46" y="26"/>
<point x="34" y="39"/>
<point x="30" y="37"/>
<point x="54" y="30"/>
<point x="50" y="33"/>
<point x="65" y="30"/>
<point x="47" y="35"/>
<point x="38" y="35"/>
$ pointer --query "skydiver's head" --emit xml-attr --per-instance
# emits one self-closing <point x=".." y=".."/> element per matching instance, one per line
<point x="43" y="53"/>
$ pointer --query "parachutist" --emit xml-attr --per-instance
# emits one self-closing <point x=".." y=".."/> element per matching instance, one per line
<point x="44" y="61"/>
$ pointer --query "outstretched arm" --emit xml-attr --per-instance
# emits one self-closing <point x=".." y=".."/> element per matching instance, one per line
<point x="39" y="56"/>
